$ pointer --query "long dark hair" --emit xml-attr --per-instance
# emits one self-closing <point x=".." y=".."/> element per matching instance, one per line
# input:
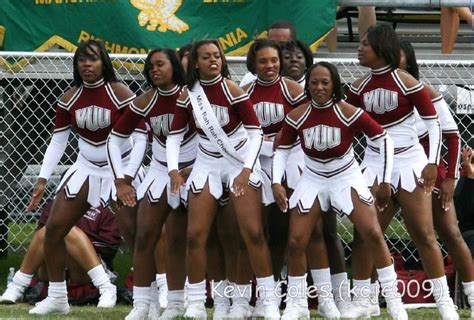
<point x="108" y="71"/>
<point x="192" y="75"/>
<point x="338" y="92"/>
<point x="257" y="45"/>
<point x="385" y="43"/>
<point x="410" y="57"/>
<point x="178" y="71"/>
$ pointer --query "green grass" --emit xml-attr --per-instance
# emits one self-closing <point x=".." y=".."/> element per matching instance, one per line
<point x="20" y="311"/>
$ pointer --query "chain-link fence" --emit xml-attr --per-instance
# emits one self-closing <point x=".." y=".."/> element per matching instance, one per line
<point x="32" y="82"/>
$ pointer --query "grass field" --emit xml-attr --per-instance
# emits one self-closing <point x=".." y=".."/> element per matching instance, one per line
<point x="20" y="311"/>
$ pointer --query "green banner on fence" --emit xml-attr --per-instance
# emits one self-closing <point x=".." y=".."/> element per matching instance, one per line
<point x="135" y="26"/>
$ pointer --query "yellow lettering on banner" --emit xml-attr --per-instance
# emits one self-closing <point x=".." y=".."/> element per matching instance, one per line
<point x="240" y="34"/>
<point x="232" y="38"/>
<point x="83" y="36"/>
<point x="43" y="1"/>
<point x="110" y="46"/>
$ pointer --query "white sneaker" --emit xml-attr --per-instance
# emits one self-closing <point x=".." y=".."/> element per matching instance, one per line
<point x="396" y="310"/>
<point x="172" y="312"/>
<point x="344" y="307"/>
<point x="374" y="309"/>
<point x="196" y="311"/>
<point x="295" y="310"/>
<point x="12" y="295"/>
<point x="327" y="309"/>
<point x="154" y="311"/>
<point x="221" y="311"/>
<point x="139" y="312"/>
<point x="239" y="311"/>
<point x="108" y="297"/>
<point x="358" y="309"/>
<point x="271" y="310"/>
<point x="51" y="306"/>
<point x="259" y="310"/>
<point x="447" y="309"/>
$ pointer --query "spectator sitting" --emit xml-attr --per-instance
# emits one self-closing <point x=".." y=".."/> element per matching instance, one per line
<point x="94" y="238"/>
<point x="449" y="26"/>
<point x="464" y="199"/>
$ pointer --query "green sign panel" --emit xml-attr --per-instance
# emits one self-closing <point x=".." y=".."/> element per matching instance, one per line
<point x="135" y="26"/>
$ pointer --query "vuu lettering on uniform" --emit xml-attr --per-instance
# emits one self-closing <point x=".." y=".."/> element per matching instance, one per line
<point x="221" y="113"/>
<point x="93" y="118"/>
<point x="380" y="100"/>
<point x="269" y="112"/>
<point x="161" y="125"/>
<point x="322" y="137"/>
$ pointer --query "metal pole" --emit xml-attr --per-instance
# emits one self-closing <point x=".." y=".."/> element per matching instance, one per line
<point x="407" y="3"/>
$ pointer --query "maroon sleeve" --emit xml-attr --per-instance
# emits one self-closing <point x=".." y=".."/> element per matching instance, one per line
<point x="128" y="122"/>
<point x="181" y="117"/>
<point x="422" y="101"/>
<point x="246" y="112"/>
<point x="367" y="125"/>
<point x="288" y="135"/>
<point x="62" y="120"/>
<point x="352" y="98"/>
<point x="453" y="144"/>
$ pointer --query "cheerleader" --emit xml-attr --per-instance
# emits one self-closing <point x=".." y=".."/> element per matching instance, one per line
<point x="230" y="139"/>
<point x="165" y="75"/>
<point x="92" y="107"/>
<point x="331" y="179"/>
<point x="390" y="97"/>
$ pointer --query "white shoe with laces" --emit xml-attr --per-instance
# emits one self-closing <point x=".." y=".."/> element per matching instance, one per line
<point x="271" y="310"/>
<point x="173" y="311"/>
<point x="12" y="294"/>
<point x="374" y="309"/>
<point x="327" y="309"/>
<point x="221" y="310"/>
<point x="195" y="311"/>
<point x="296" y="309"/>
<point x="239" y="311"/>
<point x="359" y="309"/>
<point x="259" y="310"/>
<point x="139" y="312"/>
<point x="51" y="306"/>
<point x="447" y="309"/>
<point x="396" y="310"/>
<point x="108" y="297"/>
<point x="154" y="311"/>
<point x="344" y="307"/>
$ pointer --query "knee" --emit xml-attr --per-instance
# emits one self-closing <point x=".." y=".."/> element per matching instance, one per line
<point x="195" y="240"/>
<point x="54" y="233"/>
<point x="451" y="235"/>
<point x="296" y="245"/>
<point x="253" y="236"/>
<point x="424" y="237"/>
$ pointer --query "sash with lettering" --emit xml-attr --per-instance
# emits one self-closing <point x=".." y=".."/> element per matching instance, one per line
<point x="208" y="122"/>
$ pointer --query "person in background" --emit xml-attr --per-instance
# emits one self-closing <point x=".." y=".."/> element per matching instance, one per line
<point x="449" y="25"/>
<point x="297" y="58"/>
<point x="366" y="18"/>
<point x="92" y="106"/>
<point x="464" y="198"/>
<point x="280" y="31"/>
<point x="444" y="213"/>
<point x="93" y="240"/>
